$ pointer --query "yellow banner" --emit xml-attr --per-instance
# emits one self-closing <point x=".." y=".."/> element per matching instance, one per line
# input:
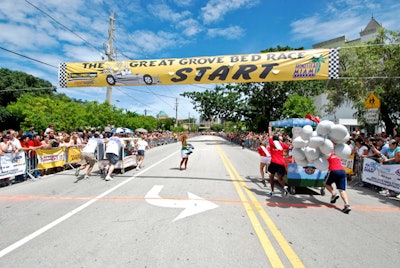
<point x="315" y="64"/>
<point x="51" y="158"/>
<point x="348" y="164"/>
<point x="74" y="154"/>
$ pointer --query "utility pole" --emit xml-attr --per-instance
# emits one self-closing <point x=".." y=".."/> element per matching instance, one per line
<point x="109" y="50"/>
<point x="176" y="112"/>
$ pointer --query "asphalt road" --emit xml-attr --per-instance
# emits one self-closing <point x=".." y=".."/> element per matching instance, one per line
<point x="214" y="214"/>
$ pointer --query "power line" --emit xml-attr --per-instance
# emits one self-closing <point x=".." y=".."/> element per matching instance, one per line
<point x="16" y="53"/>
<point x="65" y="27"/>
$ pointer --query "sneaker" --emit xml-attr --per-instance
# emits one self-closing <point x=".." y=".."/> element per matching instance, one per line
<point x="384" y="192"/>
<point x="264" y="183"/>
<point x="86" y="177"/>
<point x="108" y="178"/>
<point x="138" y="168"/>
<point x="285" y="192"/>
<point x="271" y="194"/>
<point x="346" y="209"/>
<point x="77" y="172"/>
<point x="334" y="198"/>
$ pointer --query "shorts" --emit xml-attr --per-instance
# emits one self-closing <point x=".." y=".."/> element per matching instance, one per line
<point x="113" y="158"/>
<point x="338" y="177"/>
<point x="184" y="153"/>
<point x="265" y="159"/>
<point x="89" y="158"/>
<point x="140" y="152"/>
<point x="276" y="168"/>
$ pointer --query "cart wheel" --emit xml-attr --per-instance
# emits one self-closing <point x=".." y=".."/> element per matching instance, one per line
<point x="122" y="170"/>
<point x="292" y="190"/>
<point x="322" y="192"/>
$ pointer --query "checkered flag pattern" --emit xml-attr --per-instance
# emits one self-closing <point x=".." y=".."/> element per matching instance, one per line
<point x="333" y="68"/>
<point x="62" y="75"/>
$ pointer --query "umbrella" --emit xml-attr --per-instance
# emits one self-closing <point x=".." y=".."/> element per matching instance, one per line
<point x="117" y="130"/>
<point x="127" y="130"/>
<point x="123" y="130"/>
<point x="141" y="130"/>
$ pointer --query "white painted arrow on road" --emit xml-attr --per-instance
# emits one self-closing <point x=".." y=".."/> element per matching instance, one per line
<point x="192" y="205"/>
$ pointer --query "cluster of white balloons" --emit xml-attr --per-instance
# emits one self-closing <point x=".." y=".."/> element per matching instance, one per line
<point x="314" y="147"/>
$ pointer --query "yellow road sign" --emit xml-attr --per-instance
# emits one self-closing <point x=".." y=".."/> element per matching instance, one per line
<point x="372" y="102"/>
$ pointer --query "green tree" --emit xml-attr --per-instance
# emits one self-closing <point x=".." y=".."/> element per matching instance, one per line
<point x="371" y="67"/>
<point x="297" y="106"/>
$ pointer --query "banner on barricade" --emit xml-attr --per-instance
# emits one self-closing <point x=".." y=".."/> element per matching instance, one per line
<point x="12" y="165"/>
<point x="51" y="158"/>
<point x="348" y="164"/>
<point x="74" y="155"/>
<point x="386" y="176"/>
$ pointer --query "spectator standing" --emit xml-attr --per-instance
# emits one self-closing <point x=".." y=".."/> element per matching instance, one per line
<point x="265" y="160"/>
<point x="142" y="146"/>
<point x="34" y="144"/>
<point x="49" y="129"/>
<point x="337" y="175"/>
<point x="17" y="144"/>
<point x="113" y="148"/>
<point x="277" y="164"/>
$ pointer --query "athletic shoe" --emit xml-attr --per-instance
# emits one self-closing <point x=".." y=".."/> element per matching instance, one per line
<point x="271" y="194"/>
<point x="285" y="192"/>
<point x="137" y="168"/>
<point x="346" y="209"/>
<point x="108" y="178"/>
<point x="384" y="192"/>
<point x="86" y="177"/>
<point x="334" y="198"/>
<point x="264" y="183"/>
<point x="77" y="172"/>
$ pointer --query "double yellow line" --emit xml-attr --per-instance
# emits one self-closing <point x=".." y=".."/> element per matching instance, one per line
<point x="253" y="207"/>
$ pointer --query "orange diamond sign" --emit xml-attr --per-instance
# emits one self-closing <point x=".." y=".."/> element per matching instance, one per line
<point x="372" y="102"/>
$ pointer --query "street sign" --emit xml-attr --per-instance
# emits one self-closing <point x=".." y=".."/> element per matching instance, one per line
<point x="372" y="116"/>
<point x="372" y="102"/>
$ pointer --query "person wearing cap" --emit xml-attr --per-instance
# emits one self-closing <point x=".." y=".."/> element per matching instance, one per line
<point x="379" y="148"/>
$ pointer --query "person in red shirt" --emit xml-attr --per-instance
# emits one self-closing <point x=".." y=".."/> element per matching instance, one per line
<point x="34" y="144"/>
<point x="277" y="162"/>
<point x="265" y="159"/>
<point x="337" y="175"/>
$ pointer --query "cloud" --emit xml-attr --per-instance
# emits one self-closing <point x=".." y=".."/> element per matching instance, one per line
<point x="230" y="33"/>
<point x="215" y="10"/>
<point x="343" y="18"/>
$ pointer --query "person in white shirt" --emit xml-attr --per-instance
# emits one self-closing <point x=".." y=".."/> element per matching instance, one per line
<point x="113" y="148"/>
<point x="88" y="155"/>
<point x="142" y="146"/>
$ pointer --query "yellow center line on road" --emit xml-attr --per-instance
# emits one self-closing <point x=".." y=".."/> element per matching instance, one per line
<point x="252" y="208"/>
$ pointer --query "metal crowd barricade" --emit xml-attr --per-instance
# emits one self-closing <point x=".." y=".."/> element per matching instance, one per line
<point x="31" y="164"/>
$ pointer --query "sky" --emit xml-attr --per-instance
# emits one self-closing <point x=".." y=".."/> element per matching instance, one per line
<point x="37" y="35"/>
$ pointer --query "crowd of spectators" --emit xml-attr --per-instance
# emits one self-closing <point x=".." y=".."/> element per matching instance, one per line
<point x="32" y="140"/>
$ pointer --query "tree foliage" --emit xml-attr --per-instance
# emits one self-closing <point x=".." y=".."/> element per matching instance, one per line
<point x="27" y="101"/>
<point x="370" y="68"/>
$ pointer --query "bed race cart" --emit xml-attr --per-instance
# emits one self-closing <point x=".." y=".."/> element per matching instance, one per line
<point x="299" y="176"/>
<point x="127" y="155"/>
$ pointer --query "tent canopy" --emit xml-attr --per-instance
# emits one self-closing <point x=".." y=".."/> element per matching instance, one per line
<point x="293" y="122"/>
